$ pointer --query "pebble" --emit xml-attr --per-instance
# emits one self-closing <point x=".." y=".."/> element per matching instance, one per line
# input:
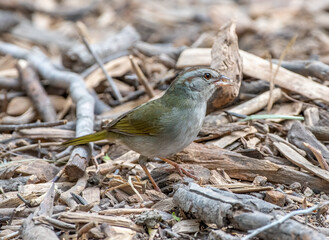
<point x="308" y="192"/>
<point x="260" y="181"/>
<point x="295" y="186"/>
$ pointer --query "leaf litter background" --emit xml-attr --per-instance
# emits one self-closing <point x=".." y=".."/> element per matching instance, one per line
<point x="280" y="161"/>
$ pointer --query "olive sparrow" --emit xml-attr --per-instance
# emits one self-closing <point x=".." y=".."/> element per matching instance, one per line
<point x="164" y="126"/>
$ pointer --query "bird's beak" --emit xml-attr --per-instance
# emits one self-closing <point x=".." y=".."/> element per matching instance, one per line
<point x="222" y="80"/>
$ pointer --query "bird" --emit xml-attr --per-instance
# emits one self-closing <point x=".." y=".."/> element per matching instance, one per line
<point x="166" y="125"/>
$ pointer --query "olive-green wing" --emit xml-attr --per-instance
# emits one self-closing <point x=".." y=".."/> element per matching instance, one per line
<point x="143" y="120"/>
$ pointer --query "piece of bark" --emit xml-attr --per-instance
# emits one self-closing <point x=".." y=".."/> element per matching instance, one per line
<point x="311" y="115"/>
<point x="298" y="134"/>
<point x="66" y="197"/>
<point x="245" y="168"/>
<point x="187" y="226"/>
<point x="31" y="84"/>
<point x="84" y="217"/>
<point x="246" y="108"/>
<point x="9" y="185"/>
<point x="320" y="132"/>
<point x="244" y="212"/>
<point x="257" y="67"/>
<point x="226" y="59"/>
<point x="300" y="161"/>
<point x="43" y="171"/>
<point x="32" y="229"/>
<point x="85" y="104"/>
<point x="234" y="136"/>
<point x="78" y="58"/>
<point x="275" y="197"/>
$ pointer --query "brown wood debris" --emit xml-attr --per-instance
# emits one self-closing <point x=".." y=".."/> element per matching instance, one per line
<point x="68" y="68"/>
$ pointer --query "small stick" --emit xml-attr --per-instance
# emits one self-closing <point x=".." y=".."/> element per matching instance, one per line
<point x="15" y="127"/>
<point x="143" y="80"/>
<point x="318" y="155"/>
<point x="85" y="228"/>
<point x="134" y="189"/>
<point x="29" y="147"/>
<point x="281" y="220"/>
<point x="82" y="30"/>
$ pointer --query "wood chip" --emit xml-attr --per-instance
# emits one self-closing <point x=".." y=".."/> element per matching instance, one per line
<point x="300" y="161"/>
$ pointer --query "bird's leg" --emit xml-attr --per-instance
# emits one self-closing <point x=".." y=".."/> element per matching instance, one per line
<point x="180" y="169"/>
<point x="142" y="162"/>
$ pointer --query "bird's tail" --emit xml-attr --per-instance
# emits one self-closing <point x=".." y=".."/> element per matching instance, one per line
<point x="86" y="139"/>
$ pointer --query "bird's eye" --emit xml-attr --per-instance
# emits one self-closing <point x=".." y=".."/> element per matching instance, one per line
<point x="207" y="76"/>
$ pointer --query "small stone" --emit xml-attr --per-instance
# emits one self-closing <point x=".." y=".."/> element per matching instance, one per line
<point x="149" y="218"/>
<point x="295" y="186"/>
<point x="260" y="181"/>
<point x="308" y="192"/>
<point x="324" y="196"/>
<point x="275" y="197"/>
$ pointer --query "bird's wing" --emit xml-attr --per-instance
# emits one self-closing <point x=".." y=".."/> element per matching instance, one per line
<point x="143" y="120"/>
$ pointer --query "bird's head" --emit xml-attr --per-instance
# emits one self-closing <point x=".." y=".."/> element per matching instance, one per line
<point x="199" y="82"/>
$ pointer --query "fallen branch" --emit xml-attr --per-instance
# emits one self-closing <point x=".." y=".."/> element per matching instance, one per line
<point x="244" y="212"/>
<point x="85" y="103"/>
<point x="285" y="218"/>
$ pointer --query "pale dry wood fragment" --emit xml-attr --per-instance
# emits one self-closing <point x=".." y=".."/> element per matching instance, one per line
<point x="14" y="201"/>
<point x="312" y="116"/>
<point x="249" y="107"/>
<point x="218" y="179"/>
<point x="277" y="138"/>
<point x="257" y="67"/>
<point x="187" y="226"/>
<point x="123" y="211"/>
<point x="117" y="233"/>
<point x="42" y="188"/>
<point x="226" y="59"/>
<point x="318" y="155"/>
<point x="46" y="133"/>
<point x="84" y="217"/>
<point x="300" y="161"/>
<point x="251" y="189"/>
<point x="80" y="185"/>
<point x="116" y="68"/>
<point x="299" y="200"/>
<point x="194" y="57"/>
<point x="229" y="139"/>
<point x="91" y="194"/>
<point x="290" y="109"/>
<point x="165" y="205"/>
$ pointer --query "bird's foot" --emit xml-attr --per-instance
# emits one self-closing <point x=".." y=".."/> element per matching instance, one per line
<point x="180" y="170"/>
<point x="142" y="162"/>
